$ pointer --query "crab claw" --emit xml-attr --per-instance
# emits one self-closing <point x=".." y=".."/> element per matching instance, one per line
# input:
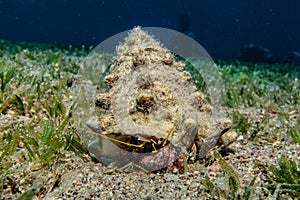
<point x="94" y="125"/>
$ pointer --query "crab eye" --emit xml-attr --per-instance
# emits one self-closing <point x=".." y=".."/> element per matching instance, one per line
<point x="142" y="137"/>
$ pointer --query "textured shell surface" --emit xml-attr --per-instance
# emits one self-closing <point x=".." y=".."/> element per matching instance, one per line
<point x="151" y="98"/>
<point x="150" y="93"/>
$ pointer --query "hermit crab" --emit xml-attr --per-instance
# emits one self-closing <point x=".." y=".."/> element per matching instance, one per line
<point x="149" y="96"/>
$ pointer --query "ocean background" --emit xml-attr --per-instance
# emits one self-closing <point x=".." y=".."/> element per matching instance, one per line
<point x="223" y="28"/>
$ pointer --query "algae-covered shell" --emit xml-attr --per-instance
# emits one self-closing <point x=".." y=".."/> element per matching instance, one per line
<point x="146" y="94"/>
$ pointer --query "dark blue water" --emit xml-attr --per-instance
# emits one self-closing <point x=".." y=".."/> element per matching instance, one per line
<point x="222" y="27"/>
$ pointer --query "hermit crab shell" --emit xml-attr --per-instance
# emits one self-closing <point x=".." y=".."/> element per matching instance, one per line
<point x="135" y="85"/>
